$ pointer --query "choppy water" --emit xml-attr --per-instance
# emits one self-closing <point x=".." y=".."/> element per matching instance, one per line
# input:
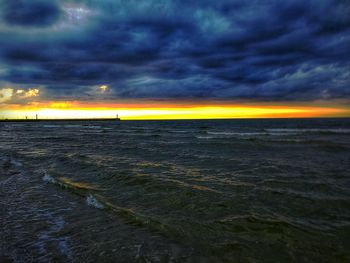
<point x="175" y="191"/>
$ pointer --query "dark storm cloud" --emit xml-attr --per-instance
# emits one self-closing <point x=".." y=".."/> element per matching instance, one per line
<point x="262" y="50"/>
<point x="30" y="13"/>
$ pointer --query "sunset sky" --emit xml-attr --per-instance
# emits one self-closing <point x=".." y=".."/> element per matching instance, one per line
<point x="171" y="59"/>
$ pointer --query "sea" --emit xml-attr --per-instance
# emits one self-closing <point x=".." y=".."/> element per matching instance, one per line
<point x="245" y="190"/>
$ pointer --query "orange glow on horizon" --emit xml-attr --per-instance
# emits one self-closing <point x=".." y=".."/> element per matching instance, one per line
<point x="166" y="110"/>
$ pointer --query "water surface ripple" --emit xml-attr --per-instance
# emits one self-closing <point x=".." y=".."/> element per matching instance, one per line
<point x="175" y="191"/>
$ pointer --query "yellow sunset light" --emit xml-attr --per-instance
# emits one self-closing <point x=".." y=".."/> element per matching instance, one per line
<point x="103" y="88"/>
<point x="32" y="93"/>
<point x="71" y="110"/>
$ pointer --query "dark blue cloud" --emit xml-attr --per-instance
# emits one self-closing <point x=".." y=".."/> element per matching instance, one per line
<point x="257" y="50"/>
<point x="30" y="13"/>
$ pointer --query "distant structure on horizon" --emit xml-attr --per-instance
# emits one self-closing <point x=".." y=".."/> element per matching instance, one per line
<point x="36" y="119"/>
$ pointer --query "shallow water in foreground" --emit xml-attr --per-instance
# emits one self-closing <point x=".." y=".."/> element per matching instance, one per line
<point x="175" y="191"/>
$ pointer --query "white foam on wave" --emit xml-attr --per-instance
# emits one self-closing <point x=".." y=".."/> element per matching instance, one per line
<point x="222" y="135"/>
<point x="273" y="132"/>
<point x="305" y="130"/>
<point x="48" y="178"/>
<point x="64" y="247"/>
<point x="237" y="133"/>
<point x="9" y="161"/>
<point x="48" y="236"/>
<point x="179" y="131"/>
<point x="92" y="127"/>
<point x="16" y="163"/>
<point x="72" y="126"/>
<point x="205" y="137"/>
<point x="92" y="201"/>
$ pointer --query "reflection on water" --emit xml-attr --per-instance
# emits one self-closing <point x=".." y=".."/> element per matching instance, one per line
<point x="176" y="191"/>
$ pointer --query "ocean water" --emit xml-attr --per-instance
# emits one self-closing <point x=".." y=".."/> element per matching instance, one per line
<point x="175" y="191"/>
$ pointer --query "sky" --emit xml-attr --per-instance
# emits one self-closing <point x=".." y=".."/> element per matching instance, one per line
<point x="152" y="59"/>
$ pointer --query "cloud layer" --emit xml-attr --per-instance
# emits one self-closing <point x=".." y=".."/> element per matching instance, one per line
<point x="257" y="50"/>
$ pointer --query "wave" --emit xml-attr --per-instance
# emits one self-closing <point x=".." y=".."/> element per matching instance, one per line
<point x="256" y="223"/>
<point x="68" y="126"/>
<point x="179" y="131"/>
<point x="323" y="144"/>
<point x="16" y="163"/>
<point x="99" y="202"/>
<point x="92" y="201"/>
<point x="66" y="183"/>
<point x="72" y="126"/>
<point x="266" y="133"/>
<point x="231" y="135"/>
<point x="206" y="137"/>
<point x="240" y="135"/>
<point x="168" y="227"/>
<point x="305" y="130"/>
<point x="48" y="178"/>
<point x="8" y="162"/>
<point x="92" y="126"/>
<point x="237" y="133"/>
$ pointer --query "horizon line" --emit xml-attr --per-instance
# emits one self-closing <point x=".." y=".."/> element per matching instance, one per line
<point x="170" y="119"/>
